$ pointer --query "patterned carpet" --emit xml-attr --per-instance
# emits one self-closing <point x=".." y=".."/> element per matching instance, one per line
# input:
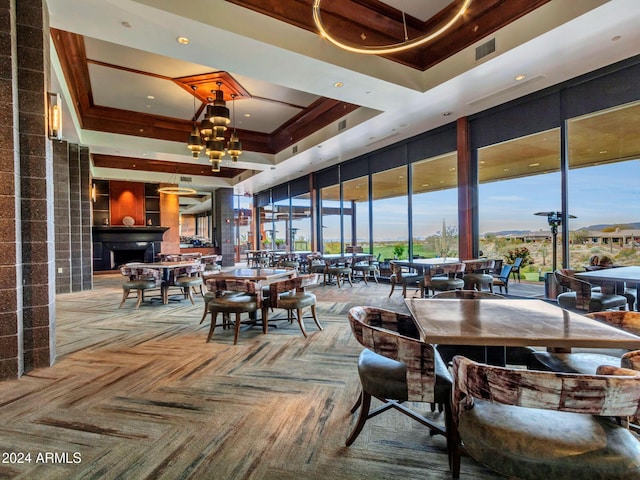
<point x="138" y="394"/>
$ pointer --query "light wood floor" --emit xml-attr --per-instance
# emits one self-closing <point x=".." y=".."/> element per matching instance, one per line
<point x="138" y="394"/>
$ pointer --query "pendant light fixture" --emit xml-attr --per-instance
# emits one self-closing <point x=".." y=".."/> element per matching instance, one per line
<point x="210" y="136"/>
<point x="195" y="142"/>
<point x="234" y="147"/>
<point x="386" y="49"/>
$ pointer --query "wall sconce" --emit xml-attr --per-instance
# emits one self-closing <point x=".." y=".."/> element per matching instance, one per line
<point x="94" y="193"/>
<point x="54" y="116"/>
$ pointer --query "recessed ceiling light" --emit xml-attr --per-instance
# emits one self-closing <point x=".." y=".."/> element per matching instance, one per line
<point x="183" y="40"/>
<point x="616" y="38"/>
<point x="518" y="78"/>
<point x="446" y="114"/>
<point x="338" y="84"/>
<point x="534" y="164"/>
<point x="125" y="24"/>
<point x="150" y="97"/>
<point x="247" y="115"/>
<point x="602" y="152"/>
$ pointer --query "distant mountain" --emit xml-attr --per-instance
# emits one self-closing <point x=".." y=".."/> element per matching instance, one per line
<point x="626" y="226"/>
<point x="598" y="227"/>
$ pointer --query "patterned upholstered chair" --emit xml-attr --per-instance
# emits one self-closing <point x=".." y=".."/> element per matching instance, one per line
<point x="532" y="425"/>
<point x="581" y="296"/>
<point x="233" y="296"/>
<point x="401" y="277"/>
<point x="478" y="275"/>
<point x="139" y="279"/>
<point x="396" y="366"/>
<point x="188" y="279"/>
<point x="587" y="360"/>
<point x="366" y="267"/>
<point x="513" y="355"/>
<point x="340" y="268"/>
<point x="443" y="278"/>
<point x="290" y="295"/>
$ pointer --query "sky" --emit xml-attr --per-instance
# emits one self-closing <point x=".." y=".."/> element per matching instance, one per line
<point x="605" y="194"/>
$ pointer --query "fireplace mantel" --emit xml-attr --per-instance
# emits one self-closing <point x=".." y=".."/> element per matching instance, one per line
<point x="122" y="233"/>
<point x="116" y="244"/>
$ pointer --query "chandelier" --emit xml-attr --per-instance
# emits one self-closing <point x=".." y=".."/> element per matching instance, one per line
<point x="209" y="135"/>
<point x="386" y="49"/>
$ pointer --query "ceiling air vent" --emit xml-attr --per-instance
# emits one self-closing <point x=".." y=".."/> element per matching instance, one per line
<point x="185" y="179"/>
<point x="485" y="49"/>
<point x="342" y="124"/>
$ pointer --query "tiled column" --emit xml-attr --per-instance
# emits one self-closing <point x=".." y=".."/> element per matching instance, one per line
<point x="11" y="332"/>
<point x="36" y="184"/>
<point x="27" y="314"/>
<point x="223" y="215"/>
<point x="62" y="217"/>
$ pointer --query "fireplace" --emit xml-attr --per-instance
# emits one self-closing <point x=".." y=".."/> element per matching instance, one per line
<point x="116" y="245"/>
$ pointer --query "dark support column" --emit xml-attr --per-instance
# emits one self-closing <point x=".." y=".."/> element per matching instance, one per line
<point x="223" y="213"/>
<point x="11" y="311"/>
<point x="467" y="201"/>
<point x="36" y="184"/>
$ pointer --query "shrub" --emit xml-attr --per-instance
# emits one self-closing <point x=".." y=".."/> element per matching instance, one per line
<point x="520" y="252"/>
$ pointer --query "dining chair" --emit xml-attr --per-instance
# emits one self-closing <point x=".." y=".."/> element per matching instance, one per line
<point x="512" y="355"/>
<point x="366" y="266"/>
<point x="188" y="279"/>
<point x="291" y="296"/>
<point x="478" y="275"/>
<point x="444" y="277"/>
<point x="139" y="279"/>
<point x="587" y="360"/>
<point x="515" y="268"/>
<point x="581" y="297"/>
<point x="502" y="279"/>
<point x="532" y="424"/>
<point x="395" y="366"/>
<point x="405" y="278"/>
<point x="233" y="296"/>
<point x="340" y="268"/>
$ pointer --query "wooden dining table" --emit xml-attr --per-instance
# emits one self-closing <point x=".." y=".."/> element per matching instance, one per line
<point x="611" y="277"/>
<point x="512" y="322"/>
<point x="262" y="275"/>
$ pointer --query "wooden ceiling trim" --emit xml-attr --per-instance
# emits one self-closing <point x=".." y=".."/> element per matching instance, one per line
<point x="320" y="114"/>
<point x="72" y="54"/>
<point x="161" y="166"/>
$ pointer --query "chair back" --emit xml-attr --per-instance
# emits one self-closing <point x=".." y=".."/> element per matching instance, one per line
<point x="613" y="391"/>
<point x="451" y="270"/>
<point x="138" y="273"/>
<point x="297" y="284"/>
<point x="396" y="336"/>
<point x="479" y="266"/>
<point x="397" y="270"/>
<point x="581" y="288"/>
<point x="517" y="263"/>
<point x="504" y="273"/>
<point x="467" y="295"/>
<point x="220" y="285"/>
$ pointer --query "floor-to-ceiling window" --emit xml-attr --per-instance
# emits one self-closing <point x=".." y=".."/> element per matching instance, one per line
<point x="434" y="183"/>
<point x="390" y="217"/>
<point x="242" y="221"/>
<point x="604" y="186"/>
<point x="301" y="222"/>
<point x="330" y="218"/>
<point x="517" y="179"/>
<point x="355" y="205"/>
